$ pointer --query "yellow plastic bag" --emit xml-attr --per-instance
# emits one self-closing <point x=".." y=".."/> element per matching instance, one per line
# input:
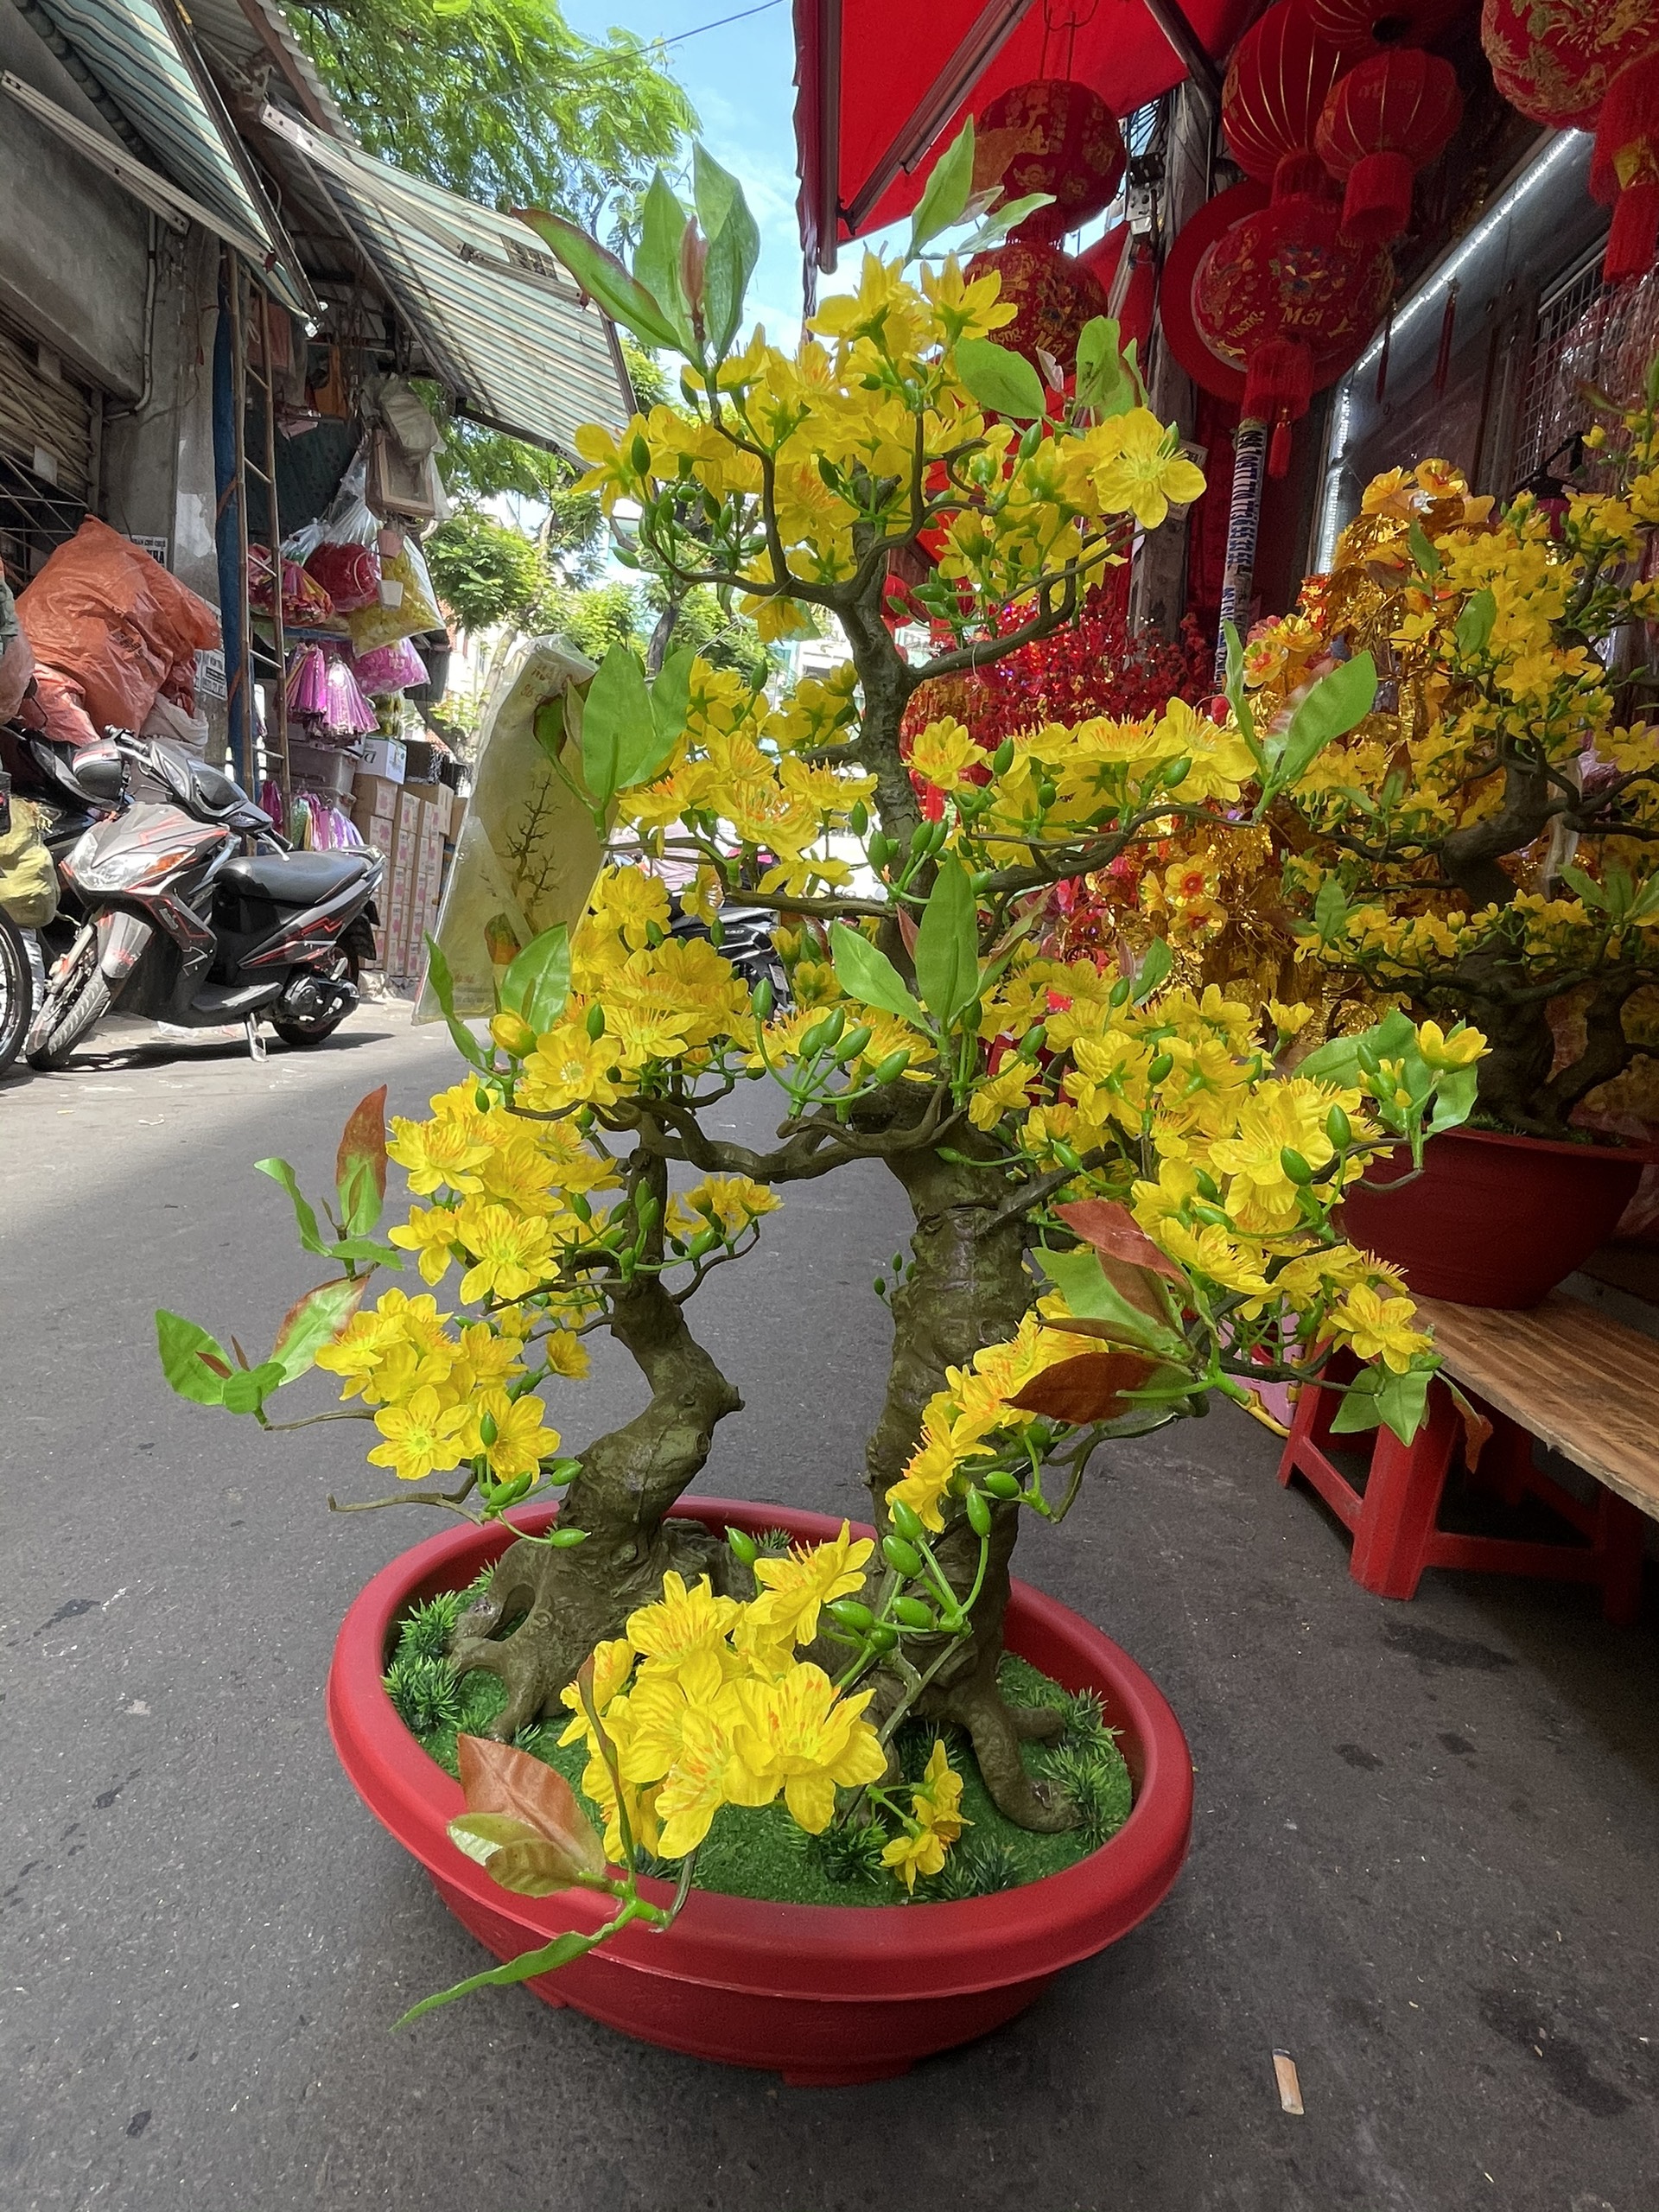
<point x="376" y="626"/>
<point x="29" y="882"/>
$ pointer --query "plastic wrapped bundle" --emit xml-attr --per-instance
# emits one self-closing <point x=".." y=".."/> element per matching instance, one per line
<point x="390" y="668"/>
<point x="346" y="711"/>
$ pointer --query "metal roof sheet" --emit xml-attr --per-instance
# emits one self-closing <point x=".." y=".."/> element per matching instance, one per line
<point x="130" y="47"/>
<point x="505" y="330"/>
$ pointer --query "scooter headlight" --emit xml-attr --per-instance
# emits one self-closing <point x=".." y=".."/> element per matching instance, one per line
<point x="120" y="871"/>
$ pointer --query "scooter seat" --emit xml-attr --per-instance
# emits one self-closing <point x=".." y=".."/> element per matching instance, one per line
<point x="294" y="878"/>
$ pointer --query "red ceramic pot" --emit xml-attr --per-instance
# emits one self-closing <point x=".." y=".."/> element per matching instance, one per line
<point x="1492" y="1220"/>
<point x="824" y="1994"/>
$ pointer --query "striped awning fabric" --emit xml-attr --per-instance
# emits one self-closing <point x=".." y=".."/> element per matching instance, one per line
<point x="155" y="79"/>
<point x="505" y="328"/>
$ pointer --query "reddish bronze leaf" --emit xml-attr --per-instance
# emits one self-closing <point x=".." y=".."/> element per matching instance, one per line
<point x="360" y="1165"/>
<point x="1476" y="1429"/>
<point x="1087" y="1389"/>
<point x="497" y="1778"/>
<point x="1114" y="1232"/>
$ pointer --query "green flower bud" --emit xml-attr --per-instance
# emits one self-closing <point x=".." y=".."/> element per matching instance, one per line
<point x="595" y="1021"/>
<point x="1001" y="1485"/>
<point x="760" y="999"/>
<point x="1162" y="1066"/>
<point x="892" y="1068"/>
<point x="742" y="1546"/>
<point x="487" y="1431"/>
<point x="1338" y="1128"/>
<point x="1032" y="1043"/>
<point x="851" y="1615"/>
<point x="883" y="1636"/>
<point x="815" y="1039"/>
<point x="1294" y="1164"/>
<point x="907" y="1521"/>
<point x="855" y="1044"/>
<point x="1120" y="991"/>
<point x="639" y="456"/>
<point x="858" y="821"/>
<point x="1067" y="1157"/>
<point x="1002" y="759"/>
<point x="567" y="1539"/>
<point x="913" y="1613"/>
<point x="1177" y="773"/>
<point x="979" y="1513"/>
<point x="903" y="1557"/>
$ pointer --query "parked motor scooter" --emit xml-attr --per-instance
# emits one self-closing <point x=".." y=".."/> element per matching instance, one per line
<point x="196" y="913"/>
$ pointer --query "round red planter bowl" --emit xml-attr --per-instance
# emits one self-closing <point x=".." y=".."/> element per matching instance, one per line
<point x="1492" y="1220"/>
<point x="822" y="1994"/>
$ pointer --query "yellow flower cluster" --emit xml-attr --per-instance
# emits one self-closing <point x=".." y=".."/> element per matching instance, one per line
<point x="705" y="1704"/>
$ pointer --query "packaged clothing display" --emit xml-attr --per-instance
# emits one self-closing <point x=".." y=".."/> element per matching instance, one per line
<point x="314" y="822"/>
<point x="390" y="668"/>
<point x="324" y="692"/>
<point x="349" y="573"/>
<point x="113" y="626"/>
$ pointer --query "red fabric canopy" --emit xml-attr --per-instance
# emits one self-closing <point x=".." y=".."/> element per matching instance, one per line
<point x="882" y="87"/>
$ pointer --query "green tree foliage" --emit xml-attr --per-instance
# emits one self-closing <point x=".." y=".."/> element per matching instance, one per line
<point x="501" y="100"/>
<point x="488" y="573"/>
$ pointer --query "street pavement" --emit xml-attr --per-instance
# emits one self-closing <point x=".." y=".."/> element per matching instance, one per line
<point x="1424" y="1859"/>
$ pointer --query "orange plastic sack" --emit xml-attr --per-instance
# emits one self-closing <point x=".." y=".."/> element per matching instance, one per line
<point x="113" y="621"/>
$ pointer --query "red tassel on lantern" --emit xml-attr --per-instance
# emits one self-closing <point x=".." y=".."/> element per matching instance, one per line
<point x="1624" y="169"/>
<point x="1277" y="382"/>
<point x="1279" y="448"/>
<point x="1383" y="121"/>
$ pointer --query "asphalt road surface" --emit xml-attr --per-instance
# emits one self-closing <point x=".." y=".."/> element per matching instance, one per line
<point x="1426" y="1861"/>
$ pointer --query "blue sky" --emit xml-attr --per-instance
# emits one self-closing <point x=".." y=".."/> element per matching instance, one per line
<point x="739" y="78"/>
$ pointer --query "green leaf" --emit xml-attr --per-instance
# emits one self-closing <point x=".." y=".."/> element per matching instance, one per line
<point x="1330" y="910"/>
<point x="536" y="982"/>
<point x="247" y="1389"/>
<point x="621" y="745"/>
<point x="1585" y="887"/>
<point x="315" y="1320"/>
<point x="947" y="944"/>
<point x="1233" y="686"/>
<point x="360" y="1165"/>
<point x="365" y="1248"/>
<point x="1475" y="624"/>
<point x="549" y="727"/>
<point x="1335" y="1061"/>
<point x="195" y="1364"/>
<point x="1090" y="1294"/>
<point x="656" y="263"/>
<point x="1103" y="384"/>
<point x="443" y="989"/>
<point x="1454" y="1099"/>
<point x="603" y="277"/>
<point x="1402" y="1401"/>
<point x="994" y="229"/>
<point x="525" y="1968"/>
<point x="671" y="696"/>
<point x="1004" y="381"/>
<point x="304" y="1216"/>
<point x="1359" y="1409"/>
<point x="734" y="248"/>
<point x="1155" y="965"/>
<point x="869" y="977"/>
<point x="950" y="187"/>
<point x="1422" y="550"/>
<point x="1335" y="705"/>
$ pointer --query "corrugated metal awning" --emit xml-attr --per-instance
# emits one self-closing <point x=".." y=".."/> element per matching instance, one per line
<point x="151" y="73"/>
<point x="505" y="329"/>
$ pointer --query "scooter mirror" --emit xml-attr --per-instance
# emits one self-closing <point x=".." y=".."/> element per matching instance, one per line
<point x="100" y="771"/>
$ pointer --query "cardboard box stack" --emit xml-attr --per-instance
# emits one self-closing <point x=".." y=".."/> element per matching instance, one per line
<point x="408" y="824"/>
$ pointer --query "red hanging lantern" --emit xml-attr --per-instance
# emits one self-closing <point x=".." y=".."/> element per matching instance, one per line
<point x="1279" y="297"/>
<point x="1385" y="120"/>
<point x="1389" y="23"/>
<point x="1051" y="136"/>
<point x="1053" y="297"/>
<point x="1556" y="65"/>
<point x="1624" y="171"/>
<point x="1278" y="81"/>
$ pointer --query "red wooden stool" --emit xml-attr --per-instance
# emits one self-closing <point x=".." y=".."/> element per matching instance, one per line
<point x="1394" y="1520"/>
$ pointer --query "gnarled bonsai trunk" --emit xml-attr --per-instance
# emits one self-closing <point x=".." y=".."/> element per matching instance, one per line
<point x="574" y="1599"/>
<point x="967" y="1287"/>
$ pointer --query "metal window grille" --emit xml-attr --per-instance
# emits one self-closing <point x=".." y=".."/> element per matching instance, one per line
<point x="34" y="515"/>
<point x="1590" y="338"/>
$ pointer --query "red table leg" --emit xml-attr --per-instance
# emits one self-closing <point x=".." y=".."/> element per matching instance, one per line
<point x="1402" y="1501"/>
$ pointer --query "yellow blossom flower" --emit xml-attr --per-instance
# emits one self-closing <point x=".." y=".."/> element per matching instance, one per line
<point x="424" y="1437"/>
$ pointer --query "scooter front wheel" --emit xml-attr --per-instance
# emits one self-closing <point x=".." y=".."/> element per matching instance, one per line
<point x="74" y="1002"/>
<point x="17" y="992"/>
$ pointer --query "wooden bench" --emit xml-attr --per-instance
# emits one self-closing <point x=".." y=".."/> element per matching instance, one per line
<point x="1562" y="1373"/>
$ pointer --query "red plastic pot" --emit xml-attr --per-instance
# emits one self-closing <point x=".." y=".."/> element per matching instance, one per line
<point x="1492" y="1220"/>
<point x="824" y="1994"/>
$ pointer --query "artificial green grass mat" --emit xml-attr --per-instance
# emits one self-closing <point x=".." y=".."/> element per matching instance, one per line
<point x="758" y="1851"/>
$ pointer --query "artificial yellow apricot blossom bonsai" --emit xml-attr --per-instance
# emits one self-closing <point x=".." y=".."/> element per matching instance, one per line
<point x="1482" y="843"/>
<point x="1116" y="1202"/>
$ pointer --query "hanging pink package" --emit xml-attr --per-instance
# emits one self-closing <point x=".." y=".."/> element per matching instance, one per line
<point x="345" y="712"/>
<point x="395" y="667"/>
